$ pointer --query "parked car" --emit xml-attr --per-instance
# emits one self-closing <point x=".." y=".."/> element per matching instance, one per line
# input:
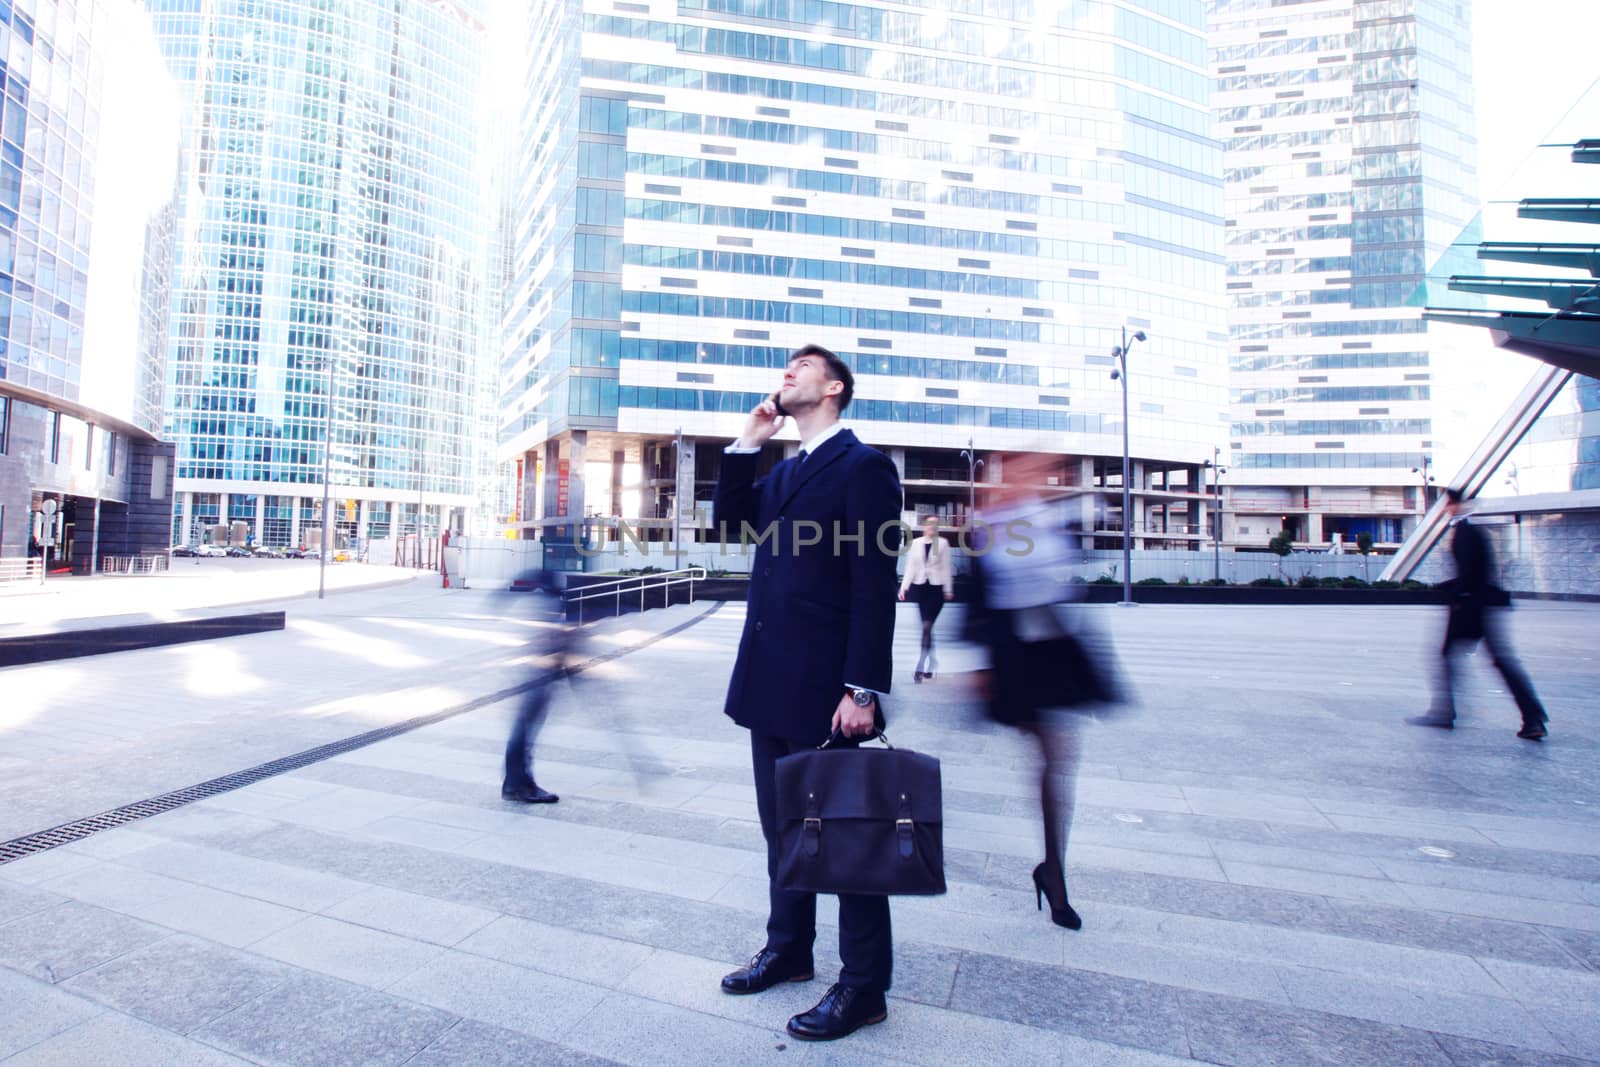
<point x="184" y="550"/>
<point x="269" y="552"/>
<point x="209" y="551"/>
<point x="239" y="552"/>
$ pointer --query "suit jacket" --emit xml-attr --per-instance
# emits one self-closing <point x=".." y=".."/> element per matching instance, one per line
<point x="820" y="615"/>
<point x="935" y="570"/>
<point x="1473" y="592"/>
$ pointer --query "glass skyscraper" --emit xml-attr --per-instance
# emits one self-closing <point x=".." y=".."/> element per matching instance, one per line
<point x="333" y="254"/>
<point x="1350" y="168"/>
<point x="89" y="150"/>
<point x="967" y="202"/>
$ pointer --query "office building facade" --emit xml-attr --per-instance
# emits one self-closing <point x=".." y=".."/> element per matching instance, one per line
<point x="84" y="265"/>
<point x="328" y="303"/>
<point x="968" y="205"/>
<point x="1350" y="156"/>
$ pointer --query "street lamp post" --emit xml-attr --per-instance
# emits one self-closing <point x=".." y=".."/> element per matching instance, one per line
<point x="973" y="463"/>
<point x="1120" y="354"/>
<point x="677" y="502"/>
<point x="327" y="480"/>
<point x="1217" y="471"/>
<point x="1427" y="482"/>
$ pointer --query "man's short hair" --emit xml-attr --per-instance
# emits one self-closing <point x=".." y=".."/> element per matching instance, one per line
<point x="1452" y="494"/>
<point x="837" y="371"/>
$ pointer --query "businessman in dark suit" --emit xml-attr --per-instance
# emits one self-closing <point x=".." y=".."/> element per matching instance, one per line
<point x="816" y="653"/>
<point x="1474" y="609"/>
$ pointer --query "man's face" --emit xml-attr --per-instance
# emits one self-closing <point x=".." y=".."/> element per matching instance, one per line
<point x="805" y="383"/>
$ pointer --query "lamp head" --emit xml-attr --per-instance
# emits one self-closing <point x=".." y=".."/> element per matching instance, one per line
<point x="1116" y="353"/>
<point x="1138" y="335"/>
<point x="1115" y="375"/>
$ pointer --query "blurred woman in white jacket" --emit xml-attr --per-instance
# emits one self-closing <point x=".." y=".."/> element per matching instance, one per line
<point x="930" y="581"/>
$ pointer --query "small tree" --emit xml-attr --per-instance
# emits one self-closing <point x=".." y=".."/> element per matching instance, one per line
<point x="1364" y="546"/>
<point x="1281" y="545"/>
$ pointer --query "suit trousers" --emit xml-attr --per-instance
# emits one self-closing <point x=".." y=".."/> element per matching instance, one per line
<point x="866" y="947"/>
<point x="1467" y="628"/>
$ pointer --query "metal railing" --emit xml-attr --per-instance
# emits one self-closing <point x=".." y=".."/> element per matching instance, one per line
<point x="664" y="581"/>
<point x="22" y="570"/>
<point x="154" y="564"/>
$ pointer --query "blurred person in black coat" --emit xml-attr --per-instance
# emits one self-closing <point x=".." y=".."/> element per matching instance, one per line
<point x="1475" y="603"/>
<point x="552" y="642"/>
<point x="1041" y="659"/>
<point x="816" y="654"/>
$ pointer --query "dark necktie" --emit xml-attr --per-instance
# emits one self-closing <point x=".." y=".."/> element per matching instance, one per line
<point x="791" y="471"/>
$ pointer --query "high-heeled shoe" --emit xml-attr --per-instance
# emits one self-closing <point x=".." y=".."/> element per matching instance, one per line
<point x="1061" y="915"/>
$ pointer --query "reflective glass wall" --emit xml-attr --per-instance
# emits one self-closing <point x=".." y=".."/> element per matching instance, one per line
<point x="968" y="202"/>
<point x="1350" y="154"/>
<point x="333" y="258"/>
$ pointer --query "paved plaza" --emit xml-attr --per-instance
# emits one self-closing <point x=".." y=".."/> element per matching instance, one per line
<point x="1270" y="866"/>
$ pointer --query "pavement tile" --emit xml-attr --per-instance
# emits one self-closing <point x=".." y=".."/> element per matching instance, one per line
<point x="1563" y="1000"/>
<point x="1365" y="997"/>
<point x="32" y="1011"/>
<point x="277" y="883"/>
<point x="1338" y="886"/>
<point x="1465" y="1052"/>
<point x="412" y="915"/>
<point x="601" y="961"/>
<point x="629" y="1029"/>
<point x="43" y="866"/>
<point x="1500" y="906"/>
<point x="179" y="983"/>
<point x="502" y="994"/>
<point x="1099" y="1007"/>
<point x="357" y="954"/>
<point x="1223" y="1030"/>
<point x="315" y="1021"/>
<point x="414" y="832"/>
<point x="18" y="900"/>
<point x="59" y="942"/>
<point x="482" y="1045"/>
<point x="215" y="914"/>
<point x="124" y="1041"/>
<point x="1582" y="944"/>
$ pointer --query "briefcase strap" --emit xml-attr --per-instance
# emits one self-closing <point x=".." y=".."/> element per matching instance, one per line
<point x="903" y="828"/>
<point x="811" y="838"/>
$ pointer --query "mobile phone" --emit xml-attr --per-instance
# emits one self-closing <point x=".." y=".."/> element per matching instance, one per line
<point x="777" y="403"/>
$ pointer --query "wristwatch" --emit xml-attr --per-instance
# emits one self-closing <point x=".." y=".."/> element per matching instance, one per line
<point x="862" y="697"/>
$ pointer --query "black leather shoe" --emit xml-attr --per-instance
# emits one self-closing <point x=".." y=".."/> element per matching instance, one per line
<point x="840" y="1012"/>
<point x="529" y="795"/>
<point x="1437" y="721"/>
<point x="765" y="970"/>
<point x="1533" y="732"/>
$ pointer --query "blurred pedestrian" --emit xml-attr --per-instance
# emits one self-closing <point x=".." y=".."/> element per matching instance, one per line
<point x="930" y="581"/>
<point x="815" y="657"/>
<point x="552" y="643"/>
<point x="1475" y="603"/>
<point x="1025" y="549"/>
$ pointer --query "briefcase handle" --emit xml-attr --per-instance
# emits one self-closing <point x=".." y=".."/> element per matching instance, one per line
<point x="839" y="740"/>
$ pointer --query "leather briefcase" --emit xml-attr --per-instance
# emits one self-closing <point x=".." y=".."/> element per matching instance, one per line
<point x="860" y="820"/>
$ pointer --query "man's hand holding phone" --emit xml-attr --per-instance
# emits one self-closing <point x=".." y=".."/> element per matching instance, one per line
<point x="767" y="419"/>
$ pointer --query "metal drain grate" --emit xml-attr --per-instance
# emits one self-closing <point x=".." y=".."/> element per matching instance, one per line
<point x="79" y="829"/>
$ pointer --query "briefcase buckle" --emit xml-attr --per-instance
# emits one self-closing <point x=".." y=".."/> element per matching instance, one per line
<point x="813" y="826"/>
<point x="902" y="822"/>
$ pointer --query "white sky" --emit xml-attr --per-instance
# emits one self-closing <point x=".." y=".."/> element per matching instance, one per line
<point x="1532" y="60"/>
